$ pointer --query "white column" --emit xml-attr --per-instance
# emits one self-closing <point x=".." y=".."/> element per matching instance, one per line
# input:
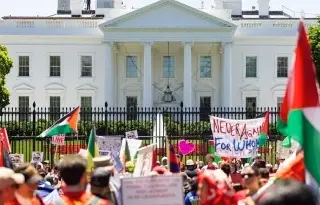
<point x="187" y="75"/>
<point x="147" y="76"/>
<point x="227" y="75"/>
<point x="109" y="75"/>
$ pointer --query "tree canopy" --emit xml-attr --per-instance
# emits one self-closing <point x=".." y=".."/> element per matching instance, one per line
<point x="314" y="38"/>
<point x="6" y="64"/>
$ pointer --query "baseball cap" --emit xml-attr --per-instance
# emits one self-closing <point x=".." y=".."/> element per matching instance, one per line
<point x="8" y="177"/>
<point x="100" y="177"/>
<point x="30" y="174"/>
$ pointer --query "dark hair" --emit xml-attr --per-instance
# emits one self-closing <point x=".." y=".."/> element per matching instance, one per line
<point x="194" y="184"/>
<point x="255" y="170"/>
<point x="72" y="168"/>
<point x="264" y="173"/>
<point x="226" y="168"/>
<point x="288" y="192"/>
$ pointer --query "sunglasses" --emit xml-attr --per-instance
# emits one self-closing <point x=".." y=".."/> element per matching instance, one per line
<point x="247" y="175"/>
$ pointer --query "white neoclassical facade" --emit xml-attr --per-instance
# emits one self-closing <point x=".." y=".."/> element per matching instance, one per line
<point x="156" y="56"/>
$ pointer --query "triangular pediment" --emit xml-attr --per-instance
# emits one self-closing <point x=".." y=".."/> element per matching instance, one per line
<point x="250" y="88"/>
<point x="168" y="14"/>
<point x="55" y="86"/>
<point x="86" y="87"/>
<point x="23" y="86"/>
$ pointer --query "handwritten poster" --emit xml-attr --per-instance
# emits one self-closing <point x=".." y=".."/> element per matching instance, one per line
<point x="17" y="159"/>
<point x="37" y="157"/>
<point x="284" y="153"/>
<point x="58" y="140"/>
<point x="155" y="190"/>
<point x="236" y="138"/>
<point x="144" y="161"/>
<point x="132" y="134"/>
<point x="133" y="145"/>
<point x="107" y="144"/>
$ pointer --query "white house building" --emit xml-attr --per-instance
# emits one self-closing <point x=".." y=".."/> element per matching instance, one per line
<point x="159" y="55"/>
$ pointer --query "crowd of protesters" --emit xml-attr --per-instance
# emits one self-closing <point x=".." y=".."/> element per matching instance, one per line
<point x="204" y="183"/>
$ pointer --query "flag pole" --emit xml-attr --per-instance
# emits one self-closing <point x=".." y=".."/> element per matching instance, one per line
<point x="168" y="151"/>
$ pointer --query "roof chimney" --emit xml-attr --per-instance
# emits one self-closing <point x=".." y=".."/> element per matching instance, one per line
<point x="76" y="7"/>
<point x="264" y="8"/>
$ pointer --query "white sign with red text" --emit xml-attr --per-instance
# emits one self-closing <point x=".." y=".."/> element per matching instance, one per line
<point x="58" y="140"/>
<point x="152" y="190"/>
<point x="236" y="138"/>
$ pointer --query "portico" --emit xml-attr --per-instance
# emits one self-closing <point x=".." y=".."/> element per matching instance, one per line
<point x="167" y="56"/>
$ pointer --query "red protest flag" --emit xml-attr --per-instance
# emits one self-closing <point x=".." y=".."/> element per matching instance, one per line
<point x="5" y="139"/>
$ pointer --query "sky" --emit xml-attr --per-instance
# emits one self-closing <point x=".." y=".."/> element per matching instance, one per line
<point x="49" y="7"/>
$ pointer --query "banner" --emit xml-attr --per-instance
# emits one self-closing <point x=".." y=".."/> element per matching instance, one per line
<point x="144" y="161"/>
<point x="236" y="138"/>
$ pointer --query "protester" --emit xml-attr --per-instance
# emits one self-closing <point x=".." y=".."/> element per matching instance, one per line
<point x="9" y="180"/>
<point x="73" y="173"/>
<point x="164" y="161"/>
<point x="211" y="165"/>
<point x="214" y="188"/>
<point x="192" y="198"/>
<point x="256" y="162"/>
<point x="25" y="192"/>
<point x="288" y="192"/>
<point x="100" y="187"/>
<point x="200" y="165"/>
<point x="191" y="169"/>
<point x="264" y="174"/>
<point x="226" y="168"/>
<point x="250" y="182"/>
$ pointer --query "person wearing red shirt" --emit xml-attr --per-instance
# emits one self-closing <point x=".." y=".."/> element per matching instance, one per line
<point x="73" y="173"/>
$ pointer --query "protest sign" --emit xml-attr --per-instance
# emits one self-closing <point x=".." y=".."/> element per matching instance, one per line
<point x="117" y="162"/>
<point x="144" y="161"/>
<point x="17" y="159"/>
<point x="37" y="157"/>
<point x="155" y="190"/>
<point x="132" y="134"/>
<point x="133" y="145"/>
<point x="107" y="144"/>
<point x="58" y="140"/>
<point x="236" y="138"/>
<point x="284" y="153"/>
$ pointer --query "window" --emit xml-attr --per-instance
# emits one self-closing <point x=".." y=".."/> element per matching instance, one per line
<point x="86" y="66"/>
<point x="282" y="67"/>
<point x="132" y="103"/>
<point x="55" y="66"/>
<point x="251" y="66"/>
<point x="24" y="66"/>
<point x="169" y="65"/>
<point x="205" y="108"/>
<point x="23" y="108"/>
<point x="54" y="109"/>
<point x="251" y="103"/>
<point x="279" y="101"/>
<point x="205" y="67"/>
<point x="131" y="70"/>
<point x="86" y="108"/>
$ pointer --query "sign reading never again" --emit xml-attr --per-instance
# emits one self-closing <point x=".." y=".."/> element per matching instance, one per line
<point x="236" y="138"/>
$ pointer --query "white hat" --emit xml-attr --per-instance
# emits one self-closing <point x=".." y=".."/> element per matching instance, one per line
<point x="190" y="162"/>
<point x="9" y="177"/>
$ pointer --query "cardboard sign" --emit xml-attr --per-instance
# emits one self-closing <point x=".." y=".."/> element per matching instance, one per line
<point x="155" y="190"/>
<point x="132" y="134"/>
<point x="236" y="138"/>
<point x="58" y="140"/>
<point x="144" y="161"/>
<point x="108" y="144"/>
<point x="37" y="157"/>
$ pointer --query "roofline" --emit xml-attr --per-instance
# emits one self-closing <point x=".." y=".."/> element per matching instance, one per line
<point x="46" y="17"/>
<point x="265" y="19"/>
<point x="160" y="2"/>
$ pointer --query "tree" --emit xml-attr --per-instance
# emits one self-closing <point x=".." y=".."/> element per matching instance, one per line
<point x="314" y="38"/>
<point x="6" y="64"/>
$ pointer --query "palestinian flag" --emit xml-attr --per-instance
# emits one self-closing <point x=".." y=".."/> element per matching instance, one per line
<point x="299" y="115"/>
<point x="264" y="131"/>
<point x="92" y="151"/>
<point x="66" y="125"/>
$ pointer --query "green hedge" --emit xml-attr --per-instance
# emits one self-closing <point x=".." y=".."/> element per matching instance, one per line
<point x="145" y="128"/>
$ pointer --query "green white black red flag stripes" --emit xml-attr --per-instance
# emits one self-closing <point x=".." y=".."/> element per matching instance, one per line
<point x="66" y="125"/>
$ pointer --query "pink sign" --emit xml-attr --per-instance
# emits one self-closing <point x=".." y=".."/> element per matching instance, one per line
<point x="58" y="140"/>
<point x="186" y="147"/>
